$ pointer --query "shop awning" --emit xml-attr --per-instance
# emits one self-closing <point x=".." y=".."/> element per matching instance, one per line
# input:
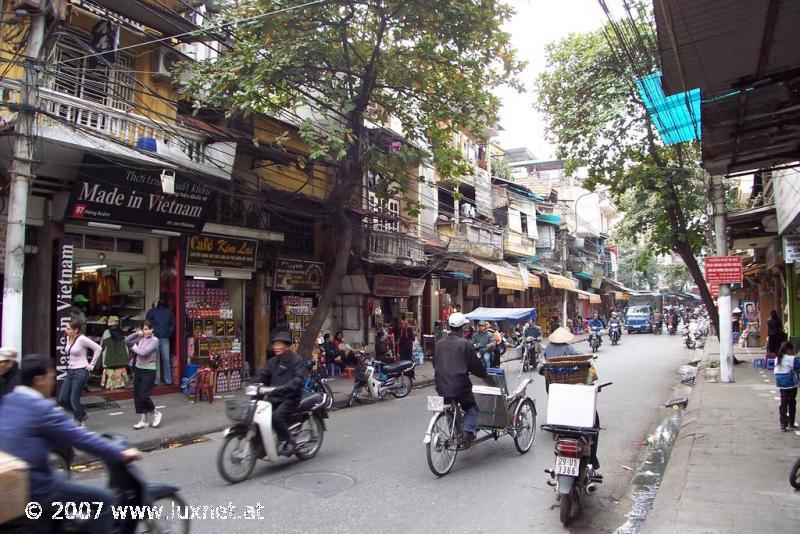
<point x="620" y="295"/>
<point x="593" y="298"/>
<point x="557" y="281"/>
<point x="507" y="277"/>
<point x="584" y="275"/>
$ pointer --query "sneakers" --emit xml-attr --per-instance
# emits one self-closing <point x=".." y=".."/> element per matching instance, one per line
<point x="156" y="419"/>
<point x="469" y="437"/>
<point x="140" y="425"/>
<point x="287" y="447"/>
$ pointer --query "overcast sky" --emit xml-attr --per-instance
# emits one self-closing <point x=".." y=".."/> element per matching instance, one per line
<point x="537" y="23"/>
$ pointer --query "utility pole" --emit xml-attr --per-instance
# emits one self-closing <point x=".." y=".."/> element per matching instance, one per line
<point x="724" y="299"/>
<point x="564" y="253"/>
<point x="21" y="176"/>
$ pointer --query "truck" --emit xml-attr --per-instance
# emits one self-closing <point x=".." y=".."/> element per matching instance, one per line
<point x="640" y="312"/>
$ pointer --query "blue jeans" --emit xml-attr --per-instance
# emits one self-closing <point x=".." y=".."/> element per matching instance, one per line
<point x="471" y="419"/>
<point x="166" y="362"/>
<point x="71" y="389"/>
<point x="65" y="491"/>
<point x="487" y="358"/>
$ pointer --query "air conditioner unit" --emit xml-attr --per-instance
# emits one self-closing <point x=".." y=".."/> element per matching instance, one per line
<point x="164" y="62"/>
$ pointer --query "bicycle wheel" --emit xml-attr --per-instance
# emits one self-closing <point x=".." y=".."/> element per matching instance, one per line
<point x="524" y="425"/>
<point x="441" y="450"/>
<point x="794" y="475"/>
<point x="167" y="522"/>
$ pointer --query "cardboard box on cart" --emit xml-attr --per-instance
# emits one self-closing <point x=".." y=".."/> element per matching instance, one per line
<point x="571" y="405"/>
<point x="14" y="487"/>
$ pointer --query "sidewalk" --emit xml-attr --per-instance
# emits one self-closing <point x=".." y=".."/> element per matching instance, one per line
<point x="729" y="468"/>
<point x="184" y="420"/>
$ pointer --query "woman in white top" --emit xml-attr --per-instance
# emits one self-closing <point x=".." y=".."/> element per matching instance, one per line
<point x="786" y="368"/>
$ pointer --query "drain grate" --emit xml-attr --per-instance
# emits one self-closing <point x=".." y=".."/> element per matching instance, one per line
<point x="103" y="405"/>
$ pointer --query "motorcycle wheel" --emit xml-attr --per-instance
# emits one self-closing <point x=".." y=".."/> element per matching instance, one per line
<point x="167" y="523"/>
<point x="329" y="397"/>
<point x="405" y="388"/>
<point x="441" y="457"/>
<point x="794" y="475"/>
<point x="352" y="399"/>
<point x="313" y="427"/>
<point x="239" y="468"/>
<point x="524" y="426"/>
<point x="566" y="506"/>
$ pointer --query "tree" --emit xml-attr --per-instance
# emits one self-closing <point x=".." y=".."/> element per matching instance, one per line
<point x="675" y="277"/>
<point x="432" y="64"/>
<point x="638" y="268"/>
<point x="597" y="119"/>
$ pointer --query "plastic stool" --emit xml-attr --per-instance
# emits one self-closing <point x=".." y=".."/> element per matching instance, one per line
<point x="349" y="372"/>
<point x="771" y="363"/>
<point x="333" y="370"/>
<point x="759" y="363"/>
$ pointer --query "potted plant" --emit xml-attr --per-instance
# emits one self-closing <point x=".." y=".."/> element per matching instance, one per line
<point x="712" y="371"/>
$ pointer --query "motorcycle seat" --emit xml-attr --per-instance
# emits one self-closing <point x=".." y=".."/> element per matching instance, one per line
<point x="308" y="401"/>
<point x="398" y="367"/>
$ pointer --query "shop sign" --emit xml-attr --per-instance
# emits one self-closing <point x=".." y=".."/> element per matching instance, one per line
<point x="62" y="296"/>
<point x="391" y="286"/>
<point x="298" y="275"/>
<point x="132" y="196"/>
<point x="723" y="270"/>
<point x="225" y="252"/>
<point x="473" y="291"/>
<point x="791" y="248"/>
<point x="597" y="276"/>
<point x="417" y="287"/>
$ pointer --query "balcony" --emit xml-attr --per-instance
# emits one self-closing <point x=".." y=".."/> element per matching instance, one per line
<point x="473" y="238"/>
<point x="517" y="244"/>
<point x="88" y="126"/>
<point x="394" y="248"/>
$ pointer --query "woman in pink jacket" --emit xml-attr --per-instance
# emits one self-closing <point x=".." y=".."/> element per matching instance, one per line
<point x="144" y="351"/>
<point x="79" y="367"/>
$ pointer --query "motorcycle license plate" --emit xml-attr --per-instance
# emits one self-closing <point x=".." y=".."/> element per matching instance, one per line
<point x="567" y="466"/>
<point x="435" y="404"/>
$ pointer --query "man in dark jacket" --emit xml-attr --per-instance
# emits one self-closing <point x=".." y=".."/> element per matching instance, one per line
<point x="286" y="373"/>
<point x="163" y="327"/>
<point x="32" y="425"/>
<point x="454" y="359"/>
<point x="9" y="370"/>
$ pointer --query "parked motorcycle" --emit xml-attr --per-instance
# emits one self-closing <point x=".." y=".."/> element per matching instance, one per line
<point x="375" y="379"/>
<point x="572" y="474"/>
<point x="594" y="338"/>
<point x="614" y="332"/>
<point x="131" y="489"/>
<point x="317" y="381"/>
<point x="794" y="475"/>
<point x="251" y="436"/>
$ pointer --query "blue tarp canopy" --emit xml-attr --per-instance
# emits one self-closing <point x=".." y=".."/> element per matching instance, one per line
<point x="676" y="117"/>
<point x="502" y="314"/>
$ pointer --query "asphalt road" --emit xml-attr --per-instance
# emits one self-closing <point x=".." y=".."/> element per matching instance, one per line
<point x="371" y="474"/>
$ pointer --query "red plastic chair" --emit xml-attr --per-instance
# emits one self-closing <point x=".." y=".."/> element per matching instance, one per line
<point x="204" y="383"/>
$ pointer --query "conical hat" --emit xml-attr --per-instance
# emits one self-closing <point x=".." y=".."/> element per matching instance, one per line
<point x="560" y="335"/>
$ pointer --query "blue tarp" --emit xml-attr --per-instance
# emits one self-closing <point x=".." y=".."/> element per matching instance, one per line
<point x="676" y="117"/>
<point x="502" y="314"/>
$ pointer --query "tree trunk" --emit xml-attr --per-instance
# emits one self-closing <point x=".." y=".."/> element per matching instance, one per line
<point x="344" y="230"/>
<point x="687" y="255"/>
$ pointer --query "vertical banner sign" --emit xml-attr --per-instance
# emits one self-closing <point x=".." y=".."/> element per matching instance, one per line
<point x="62" y="293"/>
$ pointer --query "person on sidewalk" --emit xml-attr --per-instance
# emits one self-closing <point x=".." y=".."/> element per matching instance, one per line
<point x="79" y="367"/>
<point x="454" y="359"/>
<point x="144" y="351"/>
<point x="405" y="341"/>
<point x="9" y="370"/>
<point x="32" y="425"/>
<point x="382" y="353"/>
<point x="164" y="322"/>
<point x="286" y="373"/>
<point x="786" y="368"/>
<point x="775" y="333"/>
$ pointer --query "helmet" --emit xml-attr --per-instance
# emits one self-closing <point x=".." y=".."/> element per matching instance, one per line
<point x="283" y="336"/>
<point x="457" y="320"/>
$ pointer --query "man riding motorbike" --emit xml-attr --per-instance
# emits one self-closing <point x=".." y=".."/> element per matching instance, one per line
<point x="597" y="322"/>
<point x="32" y="425"/>
<point x="484" y="343"/>
<point x="615" y="322"/>
<point x="284" y="372"/>
<point x="454" y="359"/>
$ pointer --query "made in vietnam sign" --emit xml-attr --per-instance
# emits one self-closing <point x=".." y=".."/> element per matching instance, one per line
<point x="723" y="270"/>
<point x="298" y="275"/>
<point x="117" y="194"/>
<point x="225" y="252"/>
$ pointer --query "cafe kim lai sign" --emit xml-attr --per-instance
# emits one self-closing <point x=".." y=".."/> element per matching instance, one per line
<point x="222" y="252"/>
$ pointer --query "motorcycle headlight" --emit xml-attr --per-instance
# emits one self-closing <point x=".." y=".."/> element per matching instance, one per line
<point x="251" y="390"/>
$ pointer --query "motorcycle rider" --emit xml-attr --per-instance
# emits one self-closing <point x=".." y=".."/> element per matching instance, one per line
<point x="32" y="425"/>
<point x="284" y="372"/>
<point x="615" y="322"/>
<point x="454" y="359"/>
<point x="484" y="343"/>
<point x="597" y="322"/>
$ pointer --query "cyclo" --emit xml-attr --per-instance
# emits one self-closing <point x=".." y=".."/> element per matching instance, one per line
<point x="499" y="414"/>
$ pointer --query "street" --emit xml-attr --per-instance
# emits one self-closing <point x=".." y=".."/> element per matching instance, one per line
<point x="371" y="472"/>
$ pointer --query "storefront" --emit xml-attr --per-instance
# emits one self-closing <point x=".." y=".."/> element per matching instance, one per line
<point x="394" y="299"/>
<point x="296" y="287"/>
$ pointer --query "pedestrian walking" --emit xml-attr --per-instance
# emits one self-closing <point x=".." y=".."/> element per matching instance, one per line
<point x="164" y="322"/>
<point x="406" y="341"/>
<point x="9" y="370"/>
<point x="144" y="351"/>
<point x="79" y="367"/>
<point x="775" y="333"/>
<point x="787" y="365"/>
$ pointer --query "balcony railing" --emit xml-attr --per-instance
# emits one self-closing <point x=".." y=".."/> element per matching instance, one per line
<point x="181" y="145"/>
<point x="477" y="239"/>
<point x="517" y="244"/>
<point x="395" y="248"/>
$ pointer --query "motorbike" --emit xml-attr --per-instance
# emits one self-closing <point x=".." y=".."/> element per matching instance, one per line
<point x="694" y="332"/>
<point x="128" y="484"/>
<point x="317" y="381"/>
<point x="375" y="379"/>
<point x="572" y="474"/>
<point x="531" y="348"/>
<point x="672" y="327"/>
<point x="594" y="338"/>
<point x="794" y="475"/>
<point x="614" y="331"/>
<point x="251" y="436"/>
